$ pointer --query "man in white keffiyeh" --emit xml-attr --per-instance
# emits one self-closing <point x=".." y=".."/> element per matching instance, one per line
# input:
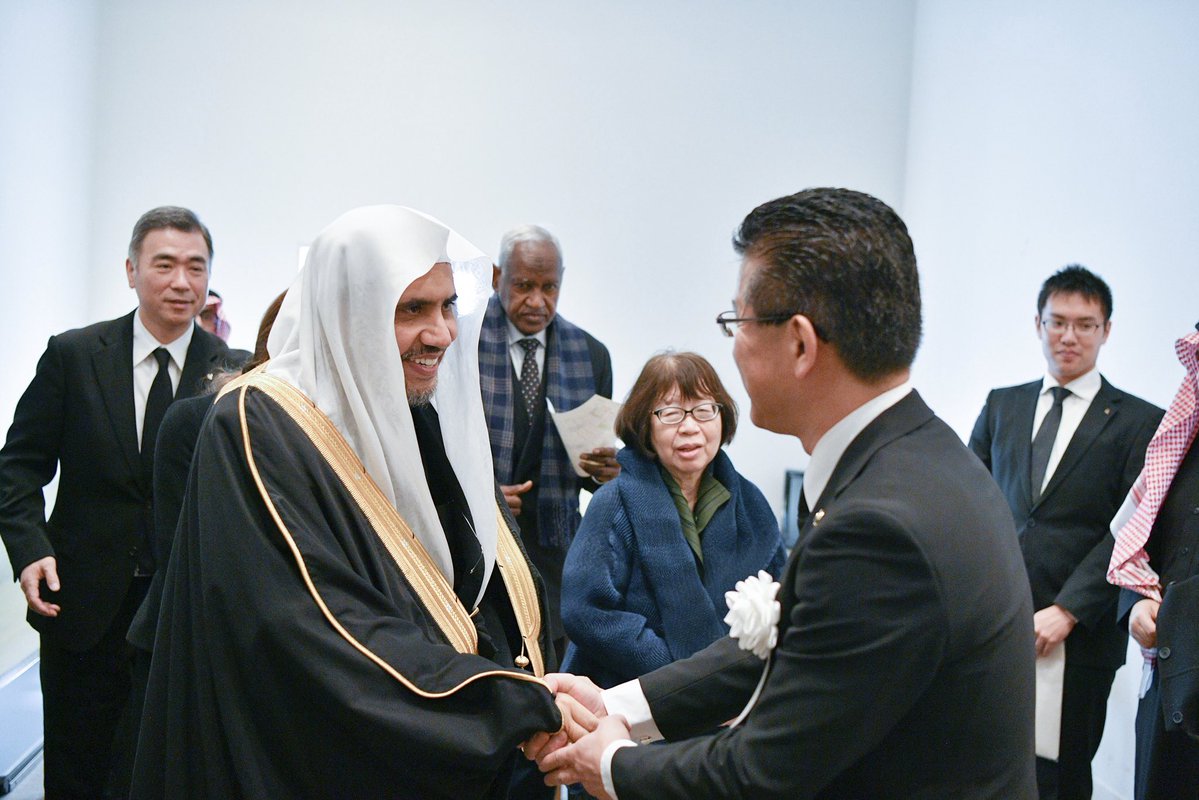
<point x="346" y="609"/>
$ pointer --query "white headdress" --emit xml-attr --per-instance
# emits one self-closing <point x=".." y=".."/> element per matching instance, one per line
<point x="335" y="340"/>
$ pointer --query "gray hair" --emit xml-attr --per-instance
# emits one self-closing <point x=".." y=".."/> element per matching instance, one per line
<point x="181" y="219"/>
<point x="526" y="233"/>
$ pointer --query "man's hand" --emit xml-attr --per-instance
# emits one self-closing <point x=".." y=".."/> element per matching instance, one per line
<point x="1052" y="625"/>
<point x="586" y="699"/>
<point x="42" y="569"/>
<point x="512" y="495"/>
<point x="600" y="464"/>
<point x="1142" y="622"/>
<point x="580" y="762"/>
<point x="579" y="687"/>
<point x="577" y="722"/>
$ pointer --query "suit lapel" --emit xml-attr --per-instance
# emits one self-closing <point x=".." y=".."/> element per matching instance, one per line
<point x="1102" y="410"/>
<point x="1023" y="420"/>
<point x="112" y="361"/>
<point x="898" y="420"/>
<point x="200" y="363"/>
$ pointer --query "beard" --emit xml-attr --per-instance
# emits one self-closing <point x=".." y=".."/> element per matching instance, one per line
<point x="421" y="397"/>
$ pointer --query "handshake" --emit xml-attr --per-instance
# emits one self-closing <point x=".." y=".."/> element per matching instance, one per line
<point x="574" y="753"/>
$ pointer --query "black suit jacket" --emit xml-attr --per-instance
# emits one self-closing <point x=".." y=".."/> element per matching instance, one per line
<point x="77" y="416"/>
<point x="904" y="667"/>
<point x="1064" y="536"/>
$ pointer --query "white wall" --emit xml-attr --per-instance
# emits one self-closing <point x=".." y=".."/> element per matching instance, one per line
<point x="47" y="54"/>
<point x="1044" y="134"/>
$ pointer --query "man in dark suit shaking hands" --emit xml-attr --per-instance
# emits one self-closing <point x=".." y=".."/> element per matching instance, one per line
<point x="92" y="412"/>
<point x="902" y="666"/>
<point x="1065" y="449"/>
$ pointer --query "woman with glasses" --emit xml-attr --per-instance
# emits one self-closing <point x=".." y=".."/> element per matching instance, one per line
<point x="645" y="577"/>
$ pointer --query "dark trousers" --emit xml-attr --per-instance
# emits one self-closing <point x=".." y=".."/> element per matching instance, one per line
<point x="1084" y="711"/>
<point x="1167" y="764"/>
<point x="89" y="733"/>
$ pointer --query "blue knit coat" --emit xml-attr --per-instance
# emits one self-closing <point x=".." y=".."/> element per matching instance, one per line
<point x="633" y="597"/>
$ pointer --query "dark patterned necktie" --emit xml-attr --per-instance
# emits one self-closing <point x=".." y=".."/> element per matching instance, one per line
<point x="1042" y="443"/>
<point x="157" y="401"/>
<point x="530" y="376"/>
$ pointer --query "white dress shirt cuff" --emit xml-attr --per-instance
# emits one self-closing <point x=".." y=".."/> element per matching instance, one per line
<point x="606" y="764"/>
<point x="629" y="701"/>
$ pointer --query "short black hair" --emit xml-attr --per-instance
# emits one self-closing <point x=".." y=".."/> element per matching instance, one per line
<point x="155" y="219"/>
<point x="845" y="261"/>
<point x="1076" y="279"/>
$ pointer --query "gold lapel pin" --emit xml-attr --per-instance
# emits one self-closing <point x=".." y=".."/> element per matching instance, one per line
<point x="819" y="515"/>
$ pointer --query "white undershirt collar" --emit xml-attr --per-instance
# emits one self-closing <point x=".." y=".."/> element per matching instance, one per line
<point x="832" y="445"/>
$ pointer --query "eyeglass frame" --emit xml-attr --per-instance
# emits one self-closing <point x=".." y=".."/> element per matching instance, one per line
<point x="724" y="322"/>
<point x="688" y="412"/>
<point x="1072" y="324"/>
<point x="771" y="319"/>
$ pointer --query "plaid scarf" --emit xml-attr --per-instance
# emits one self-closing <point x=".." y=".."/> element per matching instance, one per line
<point x="1129" y="566"/>
<point x="569" y="382"/>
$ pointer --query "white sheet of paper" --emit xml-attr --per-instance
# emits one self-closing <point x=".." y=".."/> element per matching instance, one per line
<point x="1051" y="671"/>
<point x="585" y="428"/>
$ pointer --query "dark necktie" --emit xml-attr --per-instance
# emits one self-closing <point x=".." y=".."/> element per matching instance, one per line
<point x="1042" y="443"/>
<point x="530" y="376"/>
<point x="157" y="401"/>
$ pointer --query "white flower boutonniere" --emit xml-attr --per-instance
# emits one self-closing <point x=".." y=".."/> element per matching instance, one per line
<point x="753" y="617"/>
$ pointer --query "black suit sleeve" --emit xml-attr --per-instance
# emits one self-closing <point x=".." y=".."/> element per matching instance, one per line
<point x="29" y="460"/>
<point x="172" y="461"/>
<point x="867" y="631"/>
<point x="698" y="694"/>
<point x="601" y="367"/>
<point x="1086" y="593"/>
<point x="980" y="437"/>
<point x="1128" y="599"/>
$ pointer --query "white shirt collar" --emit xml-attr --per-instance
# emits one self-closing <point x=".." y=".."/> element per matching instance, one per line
<point x="1085" y="386"/>
<point x="514" y="335"/>
<point x="144" y="342"/>
<point x="832" y="445"/>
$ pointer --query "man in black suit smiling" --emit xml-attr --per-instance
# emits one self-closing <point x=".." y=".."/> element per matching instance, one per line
<point x="91" y="412"/>
<point x="1065" y="450"/>
<point x="903" y="661"/>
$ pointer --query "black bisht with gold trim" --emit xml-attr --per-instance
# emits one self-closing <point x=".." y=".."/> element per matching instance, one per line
<point x="304" y="647"/>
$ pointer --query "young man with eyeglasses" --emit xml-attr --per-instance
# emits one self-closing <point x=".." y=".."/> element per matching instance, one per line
<point x="1065" y="449"/>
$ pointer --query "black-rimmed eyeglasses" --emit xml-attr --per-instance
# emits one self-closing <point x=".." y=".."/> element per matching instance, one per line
<point x="674" y="415"/>
<point x="729" y="322"/>
<point x="1082" y="327"/>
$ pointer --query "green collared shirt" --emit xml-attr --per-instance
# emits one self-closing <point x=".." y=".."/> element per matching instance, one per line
<point x="712" y="495"/>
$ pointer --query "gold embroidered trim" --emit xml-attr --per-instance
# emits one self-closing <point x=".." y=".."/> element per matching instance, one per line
<point x="238" y="381"/>
<point x="401" y="543"/>
<point x="522" y="592"/>
<point x="311" y="420"/>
